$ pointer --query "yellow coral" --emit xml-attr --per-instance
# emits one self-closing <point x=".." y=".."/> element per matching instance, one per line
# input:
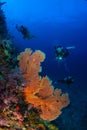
<point x="52" y="127"/>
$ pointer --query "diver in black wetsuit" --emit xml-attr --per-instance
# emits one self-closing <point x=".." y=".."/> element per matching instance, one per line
<point x="62" y="52"/>
<point x="25" y="32"/>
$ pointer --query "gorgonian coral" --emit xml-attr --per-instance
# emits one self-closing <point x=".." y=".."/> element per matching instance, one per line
<point x="39" y="90"/>
<point x="29" y="63"/>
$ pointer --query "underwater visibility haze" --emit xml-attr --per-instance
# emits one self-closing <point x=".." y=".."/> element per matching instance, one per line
<point x="43" y="65"/>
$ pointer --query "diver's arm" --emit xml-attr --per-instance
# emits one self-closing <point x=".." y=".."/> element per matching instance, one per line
<point x="71" y="47"/>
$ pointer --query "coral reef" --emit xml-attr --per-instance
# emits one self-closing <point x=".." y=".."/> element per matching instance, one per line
<point x="27" y="100"/>
<point x="3" y="25"/>
<point x="7" y="54"/>
<point x="15" y="113"/>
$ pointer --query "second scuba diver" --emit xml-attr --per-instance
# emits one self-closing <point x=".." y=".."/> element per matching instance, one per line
<point x="67" y="80"/>
<point x="62" y="52"/>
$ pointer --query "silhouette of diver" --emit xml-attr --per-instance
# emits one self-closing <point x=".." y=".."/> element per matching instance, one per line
<point x="62" y="52"/>
<point x="67" y="80"/>
<point x="25" y="32"/>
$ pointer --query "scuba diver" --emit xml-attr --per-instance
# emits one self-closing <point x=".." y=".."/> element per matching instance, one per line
<point x="67" y="80"/>
<point x="25" y="32"/>
<point x="62" y="52"/>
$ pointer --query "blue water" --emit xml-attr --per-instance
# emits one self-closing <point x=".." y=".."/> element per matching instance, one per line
<point x="55" y="22"/>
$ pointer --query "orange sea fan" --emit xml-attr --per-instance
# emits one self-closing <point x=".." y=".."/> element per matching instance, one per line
<point x="36" y="92"/>
<point x="39" y="91"/>
<point x="29" y="63"/>
<point x="53" y="105"/>
<point x="44" y="96"/>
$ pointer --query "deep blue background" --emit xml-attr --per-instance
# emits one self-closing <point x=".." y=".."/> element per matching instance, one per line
<point x="55" y="22"/>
